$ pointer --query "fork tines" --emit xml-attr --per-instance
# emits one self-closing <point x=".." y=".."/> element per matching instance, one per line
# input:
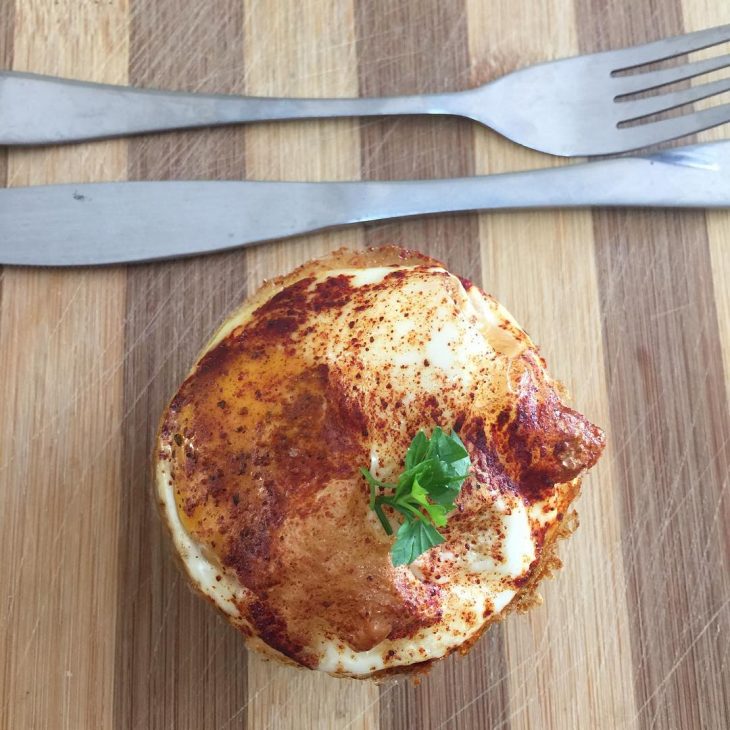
<point x="627" y="87"/>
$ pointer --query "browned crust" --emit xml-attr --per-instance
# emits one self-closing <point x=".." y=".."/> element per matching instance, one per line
<point x="548" y="561"/>
<point x="341" y="258"/>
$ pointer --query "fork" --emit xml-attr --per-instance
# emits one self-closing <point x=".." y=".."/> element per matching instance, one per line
<point x="577" y="106"/>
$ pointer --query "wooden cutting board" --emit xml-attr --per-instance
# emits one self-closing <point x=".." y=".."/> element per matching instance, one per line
<point x="98" y="629"/>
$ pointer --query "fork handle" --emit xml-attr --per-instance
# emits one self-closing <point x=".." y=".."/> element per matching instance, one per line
<point x="37" y="109"/>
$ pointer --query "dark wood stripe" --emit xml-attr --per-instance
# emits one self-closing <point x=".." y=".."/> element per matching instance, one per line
<point x="7" y="25"/>
<point x="177" y="664"/>
<point x="407" y="47"/>
<point x="663" y="361"/>
<point x="459" y="693"/>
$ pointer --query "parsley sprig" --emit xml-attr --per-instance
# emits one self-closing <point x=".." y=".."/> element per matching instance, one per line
<point x="424" y="494"/>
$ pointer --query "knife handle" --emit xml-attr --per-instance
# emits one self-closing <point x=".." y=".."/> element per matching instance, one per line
<point x="37" y="109"/>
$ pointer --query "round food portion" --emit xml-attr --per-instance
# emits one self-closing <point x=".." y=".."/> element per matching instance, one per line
<point x="335" y="367"/>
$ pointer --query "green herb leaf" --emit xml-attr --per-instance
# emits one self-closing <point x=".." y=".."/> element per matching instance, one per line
<point x="426" y="491"/>
<point x="436" y="512"/>
<point x="414" y="537"/>
<point x="417" y="450"/>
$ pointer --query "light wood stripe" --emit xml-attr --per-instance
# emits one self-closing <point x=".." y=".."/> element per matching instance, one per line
<point x="700" y="14"/>
<point x="308" y="49"/>
<point x="550" y="647"/>
<point x="59" y="415"/>
<point x="178" y="665"/>
<point x="669" y="404"/>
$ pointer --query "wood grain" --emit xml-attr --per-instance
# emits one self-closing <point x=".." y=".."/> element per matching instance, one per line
<point x="697" y="14"/>
<point x="398" y="54"/>
<point x="308" y="51"/>
<point x="517" y="251"/>
<point x="667" y="391"/>
<point x="59" y="417"/>
<point x="97" y="627"/>
<point x="7" y="16"/>
<point x="172" y="650"/>
<point x="411" y="48"/>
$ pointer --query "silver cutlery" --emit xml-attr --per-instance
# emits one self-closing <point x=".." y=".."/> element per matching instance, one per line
<point x="111" y="223"/>
<point x="569" y="107"/>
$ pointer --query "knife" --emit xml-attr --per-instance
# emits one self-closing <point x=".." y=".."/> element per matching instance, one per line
<point x="112" y="223"/>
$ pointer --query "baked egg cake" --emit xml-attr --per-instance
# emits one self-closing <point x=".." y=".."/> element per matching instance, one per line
<point x="335" y="367"/>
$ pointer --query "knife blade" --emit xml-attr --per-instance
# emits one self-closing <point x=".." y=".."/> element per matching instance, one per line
<point x="113" y="223"/>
